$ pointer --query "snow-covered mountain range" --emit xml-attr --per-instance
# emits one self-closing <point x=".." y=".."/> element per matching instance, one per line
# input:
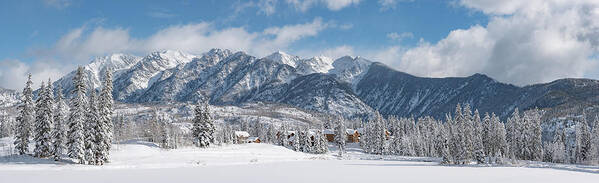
<point x="350" y="86"/>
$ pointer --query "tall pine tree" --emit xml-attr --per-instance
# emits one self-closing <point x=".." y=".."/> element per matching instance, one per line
<point x="595" y="141"/>
<point x="25" y="119"/>
<point x="91" y="124"/>
<point x="203" y="127"/>
<point x="59" y="131"/>
<point x="43" y="122"/>
<point x="77" y="113"/>
<point x="105" y="110"/>
<point x="340" y="135"/>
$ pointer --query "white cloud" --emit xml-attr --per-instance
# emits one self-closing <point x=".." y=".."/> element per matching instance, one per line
<point x="285" y="35"/>
<point x="333" y="5"/>
<point x="59" y="4"/>
<point x="390" y="4"/>
<point x="13" y="73"/>
<point x="160" y="13"/>
<point x="82" y="43"/>
<point x="333" y="52"/>
<point x="389" y="56"/>
<point x="269" y="7"/>
<point x="524" y="42"/>
<point x="340" y="4"/>
<point x="399" y="37"/>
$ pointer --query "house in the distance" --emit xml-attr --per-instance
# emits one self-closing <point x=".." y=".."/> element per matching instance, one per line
<point x="352" y="135"/>
<point x="330" y="134"/>
<point x="253" y="140"/>
<point x="241" y="136"/>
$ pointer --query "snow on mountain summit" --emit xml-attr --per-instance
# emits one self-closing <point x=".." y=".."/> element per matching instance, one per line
<point x="350" y="69"/>
<point x="143" y="74"/>
<point x="283" y="58"/>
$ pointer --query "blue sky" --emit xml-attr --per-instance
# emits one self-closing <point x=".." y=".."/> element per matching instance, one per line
<point x="42" y="23"/>
<point x="519" y="42"/>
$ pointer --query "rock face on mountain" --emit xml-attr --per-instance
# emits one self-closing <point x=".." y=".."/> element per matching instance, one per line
<point x="349" y="86"/>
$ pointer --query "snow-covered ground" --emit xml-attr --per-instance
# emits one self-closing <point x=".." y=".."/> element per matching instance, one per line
<point x="144" y="162"/>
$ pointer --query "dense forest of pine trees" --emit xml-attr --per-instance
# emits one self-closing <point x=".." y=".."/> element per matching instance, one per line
<point x="465" y="138"/>
<point x="82" y="130"/>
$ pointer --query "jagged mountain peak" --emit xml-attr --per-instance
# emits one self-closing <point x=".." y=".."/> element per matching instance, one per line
<point x="350" y="69"/>
<point x="284" y="58"/>
<point x="318" y="64"/>
<point x="171" y="55"/>
<point x="218" y="52"/>
<point x="115" y="61"/>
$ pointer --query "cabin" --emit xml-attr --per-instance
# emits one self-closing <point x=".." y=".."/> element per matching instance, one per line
<point x="352" y="135"/>
<point x="329" y="134"/>
<point x="253" y="140"/>
<point x="241" y="136"/>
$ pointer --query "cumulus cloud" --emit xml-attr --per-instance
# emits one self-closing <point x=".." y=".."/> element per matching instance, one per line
<point x="269" y="7"/>
<point x="13" y="73"/>
<point x="332" y="52"/>
<point x="82" y="43"/>
<point x="333" y="5"/>
<point x="59" y="4"/>
<point x="399" y="37"/>
<point x="524" y="42"/>
<point x="390" y="4"/>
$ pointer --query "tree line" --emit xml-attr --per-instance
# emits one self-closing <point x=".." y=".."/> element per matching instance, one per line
<point x="465" y="137"/>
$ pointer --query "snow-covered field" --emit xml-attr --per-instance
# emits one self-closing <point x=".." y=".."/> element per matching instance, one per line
<point x="144" y="162"/>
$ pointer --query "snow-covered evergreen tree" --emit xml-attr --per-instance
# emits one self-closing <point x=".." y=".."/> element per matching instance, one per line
<point x="558" y="147"/>
<point x="6" y="125"/>
<point x="105" y="111"/>
<point x="320" y="142"/>
<point x="165" y="134"/>
<point x="295" y="141"/>
<point x="594" y="152"/>
<point x="271" y="134"/>
<point x="513" y="135"/>
<point x="91" y="126"/>
<point x="477" y="139"/>
<point x="43" y="123"/>
<point x="379" y="135"/>
<point x="340" y="136"/>
<point x="533" y="138"/>
<point x="583" y="142"/>
<point x="397" y="132"/>
<point x="500" y="146"/>
<point x="444" y="141"/>
<point x="77" y="113"/>
<point x="25" y="119"/>
<point x="203" y="127"/>
<point x="59" y="131"/>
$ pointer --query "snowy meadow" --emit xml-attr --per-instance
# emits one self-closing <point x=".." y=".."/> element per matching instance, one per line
<point x="136" y="161"/>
